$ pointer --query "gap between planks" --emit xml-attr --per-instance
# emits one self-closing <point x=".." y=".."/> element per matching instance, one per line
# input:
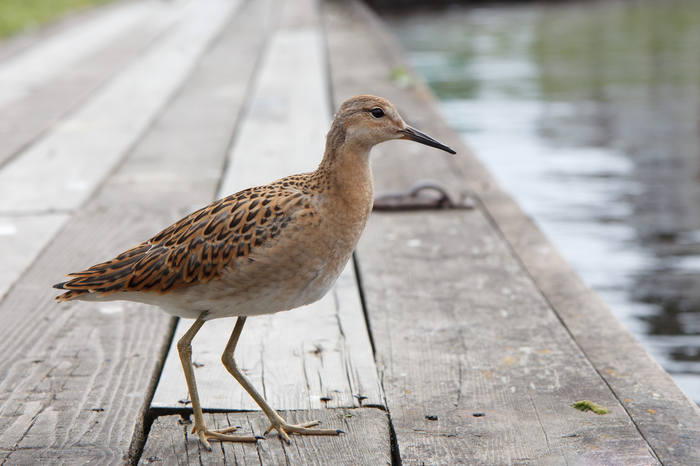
<point x="76" y="378"/>
<point x="365" y="441"/>
<point x="665" y="416"/>
<point x="55" y="175"/>
<point x="409" y="300"/>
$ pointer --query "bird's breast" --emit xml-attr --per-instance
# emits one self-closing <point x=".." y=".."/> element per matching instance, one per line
<point x="296" y="268"/>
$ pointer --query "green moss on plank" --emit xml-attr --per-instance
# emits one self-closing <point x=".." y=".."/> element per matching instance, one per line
<point x="587" y="405"/>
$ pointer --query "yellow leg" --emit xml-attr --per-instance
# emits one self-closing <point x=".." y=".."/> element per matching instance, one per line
<point x="276" y="420"/>
<point x="184" y="348"/>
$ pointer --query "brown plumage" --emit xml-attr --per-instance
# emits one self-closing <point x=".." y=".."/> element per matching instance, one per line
<point x="200" y="247"/>
<point x="263" y="250"/>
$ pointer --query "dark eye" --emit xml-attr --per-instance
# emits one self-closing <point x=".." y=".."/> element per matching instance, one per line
<point x="377" y="112"/>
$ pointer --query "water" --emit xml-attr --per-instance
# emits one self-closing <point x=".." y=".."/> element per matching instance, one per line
<point x="588" y="114"/>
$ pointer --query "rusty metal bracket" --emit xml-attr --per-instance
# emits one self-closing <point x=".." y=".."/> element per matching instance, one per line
<point x="413" y="200"/>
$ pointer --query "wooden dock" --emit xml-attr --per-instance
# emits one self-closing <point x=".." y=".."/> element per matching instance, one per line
<point x="457" y="336"/>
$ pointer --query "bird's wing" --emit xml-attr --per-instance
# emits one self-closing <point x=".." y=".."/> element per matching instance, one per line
<point x="201" y="247"/>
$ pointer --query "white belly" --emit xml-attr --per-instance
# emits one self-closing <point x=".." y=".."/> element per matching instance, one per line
<point x="227" y="298"/>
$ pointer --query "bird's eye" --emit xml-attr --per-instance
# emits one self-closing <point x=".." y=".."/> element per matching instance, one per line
<point x="377" y="112"/>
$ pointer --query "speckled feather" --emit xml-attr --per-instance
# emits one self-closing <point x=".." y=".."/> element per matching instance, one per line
<point x="200" y="247"/>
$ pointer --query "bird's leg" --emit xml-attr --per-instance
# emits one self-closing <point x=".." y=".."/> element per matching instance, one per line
<point x="184" y="348"/>
<point x="275" y="419"/>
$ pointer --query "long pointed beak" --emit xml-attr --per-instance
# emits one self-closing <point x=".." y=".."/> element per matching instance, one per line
<point x="413" y="134"/>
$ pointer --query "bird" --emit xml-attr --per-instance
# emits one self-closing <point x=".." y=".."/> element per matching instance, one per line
<point x="263" y="250"/>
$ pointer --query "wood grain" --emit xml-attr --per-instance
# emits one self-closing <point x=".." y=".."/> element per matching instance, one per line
<point x="284" y="131"/>
<point x="20" y="43"/>
<point x="77" y="379"/>
<point x="314" y="357"/>
<point x="349" y="23"/>
<point x="451" y="344"/>
<point x="24" y="120"/>
<point x="22" y="237"/>
<point x="365" y="442"/>
<point x="58" y="171"/>
<point x="666" y="417"/>
<point x="23" y="72"/>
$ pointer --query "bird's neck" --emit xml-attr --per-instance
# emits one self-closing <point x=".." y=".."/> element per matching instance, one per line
<point x="346" y="169"/>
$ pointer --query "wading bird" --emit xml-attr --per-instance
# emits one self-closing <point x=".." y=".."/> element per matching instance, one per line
<point x="263" y="250"/>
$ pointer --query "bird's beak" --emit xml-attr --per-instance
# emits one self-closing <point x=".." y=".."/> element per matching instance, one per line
<point x="413" y="134"/>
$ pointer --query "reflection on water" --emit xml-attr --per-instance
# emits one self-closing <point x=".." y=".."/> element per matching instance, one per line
<point x="588" y="113"/>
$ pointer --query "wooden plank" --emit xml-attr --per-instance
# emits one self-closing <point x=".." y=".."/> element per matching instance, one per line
<point x="300" y="359"/>
<point x="22" y="237"/>
<point x="58" y="172"/>
<point x="663" y="413"/>
<point x="362" y="369"/>
<point x="21" y="241"/>
<point x="451" y="344"/>
<point x="23" y="72"/>
<point x="285" y="130"/>
<point x="74" y="379"/>
<point x="77" y="379"/>
<point x="25" y="119"/>
<point x="497" y="349"/>
<point x="23" y="41"/>
<point x="365" y="442"/>
<point x="180" y="164"/>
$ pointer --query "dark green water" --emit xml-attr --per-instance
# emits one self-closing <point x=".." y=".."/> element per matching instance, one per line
<point x="588" y="113"/>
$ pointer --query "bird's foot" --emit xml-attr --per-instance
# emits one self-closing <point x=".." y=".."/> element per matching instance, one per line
<point x="205" y="435"/>
<point x="302" y="429"/>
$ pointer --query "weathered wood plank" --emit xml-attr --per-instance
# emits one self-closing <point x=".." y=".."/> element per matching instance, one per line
<point x="362" y="369"/>
<point x="77" y="379"/>
<point x="74" y="378"/>
<point x="285" y="130"/>
<point x="22" y="237"/>
<point x="23" y="120"/>
<point x="497" y="349"/>
<point x="180" y="162"/>
<point x="663" y="413"/>
<point x="301" y="359"/>
<point x="365" y="442"/>
<point x="58" y="172"/>
<point x="21" y="240"/>
<point x="23" y="72"/>
<point x="451" y="344"/>
<point x="23" y="41"/>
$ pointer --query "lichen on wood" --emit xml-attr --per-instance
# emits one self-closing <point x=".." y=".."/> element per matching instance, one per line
<point x="587" y="405"/>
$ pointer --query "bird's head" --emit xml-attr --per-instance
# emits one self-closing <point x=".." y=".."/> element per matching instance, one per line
<point x="367" y="120"/>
